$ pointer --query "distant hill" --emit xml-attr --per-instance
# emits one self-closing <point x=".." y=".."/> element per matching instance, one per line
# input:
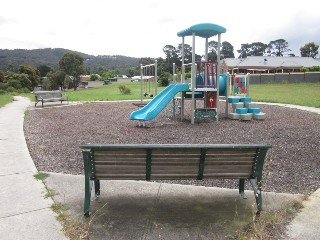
<point x="51" y="57"/>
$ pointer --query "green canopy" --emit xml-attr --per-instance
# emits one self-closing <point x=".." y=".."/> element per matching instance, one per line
<point x="205" y="30"/>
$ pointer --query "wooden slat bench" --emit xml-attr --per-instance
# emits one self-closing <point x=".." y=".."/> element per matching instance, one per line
<point x="173" y="161"/>
<point x="49" y="96"/>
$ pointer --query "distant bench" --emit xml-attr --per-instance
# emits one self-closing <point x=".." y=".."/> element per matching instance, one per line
<point x="49" y="96"/>
<point x="173" y="161"/>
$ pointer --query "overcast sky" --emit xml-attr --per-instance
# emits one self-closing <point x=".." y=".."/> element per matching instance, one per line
<point x="142" y="28"/>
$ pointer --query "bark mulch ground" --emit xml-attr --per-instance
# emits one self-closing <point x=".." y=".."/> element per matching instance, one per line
<point x="54" y="134"/>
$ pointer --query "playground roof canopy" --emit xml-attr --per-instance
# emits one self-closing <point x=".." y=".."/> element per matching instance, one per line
<point x="205" y="30"/>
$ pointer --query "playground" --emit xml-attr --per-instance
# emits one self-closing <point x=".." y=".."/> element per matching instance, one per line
<point x="199" y="118"/>
<point x="55" y="134"/>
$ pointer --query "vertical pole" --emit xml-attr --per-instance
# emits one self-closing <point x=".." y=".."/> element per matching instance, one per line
<point x="174" y="73"/>
<point x="174" y="99"/>
<point x="156" y="78"/>
<point x="193" y="78"/>
<point x="141" y="76"/>
<point x="218" y="75"/>
<point x="183" y="77"/>
<point x="227" y="92"/>
<point x="248" y="85"/>
<point x="206" y="51"/>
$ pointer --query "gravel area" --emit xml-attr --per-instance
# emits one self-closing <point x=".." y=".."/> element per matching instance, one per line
<point x="53" y="135"/>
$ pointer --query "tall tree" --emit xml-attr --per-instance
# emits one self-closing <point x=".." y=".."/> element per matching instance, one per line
<point x="227" y="50"/>
<point x="72" y="64"/>
<point x="33" y="74"/>
<point x="244" y="50"/>
<point x="309" y="50"/>
<point x="172" y="56"/>
<point x="187" y="54"/>
<point x="278" y="48"/>
<point x="44" y="70"/>
<point x="212" y="50"/>
<point x="257" y="49"/>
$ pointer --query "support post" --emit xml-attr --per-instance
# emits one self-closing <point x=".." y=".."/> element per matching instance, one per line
<point x="193" y="77"/>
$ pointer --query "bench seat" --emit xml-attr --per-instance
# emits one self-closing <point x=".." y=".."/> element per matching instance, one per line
<point x="49" y="96"/>
<point x="173" y="162"/>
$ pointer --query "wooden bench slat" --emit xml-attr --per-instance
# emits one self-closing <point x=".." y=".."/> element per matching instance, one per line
<point x="174" y="161"/>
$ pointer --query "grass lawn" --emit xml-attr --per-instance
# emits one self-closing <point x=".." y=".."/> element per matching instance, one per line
<point x="305" y="94"/>
<point x="5" y="99"/>
<point x="110" y="92"/>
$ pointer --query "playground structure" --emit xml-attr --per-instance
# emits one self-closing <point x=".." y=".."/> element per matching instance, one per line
<point x="207" y="85"/>
<point x="204" y="75"/>
<point x="148" y="77"/>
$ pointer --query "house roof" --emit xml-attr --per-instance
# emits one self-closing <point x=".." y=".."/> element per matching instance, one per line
<point x="271" y="62"/>
<point x="205" y="30"/>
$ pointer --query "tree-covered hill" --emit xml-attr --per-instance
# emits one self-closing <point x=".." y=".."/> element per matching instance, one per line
<point x="51" y="57"/>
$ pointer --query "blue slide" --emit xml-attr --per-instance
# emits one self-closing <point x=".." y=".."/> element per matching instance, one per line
<point x="156" y="105"/>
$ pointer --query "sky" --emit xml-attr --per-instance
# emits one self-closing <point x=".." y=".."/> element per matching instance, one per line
<point x="142" y="28"/>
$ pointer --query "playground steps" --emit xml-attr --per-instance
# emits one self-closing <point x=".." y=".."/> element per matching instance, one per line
<point x="244" y="109"/>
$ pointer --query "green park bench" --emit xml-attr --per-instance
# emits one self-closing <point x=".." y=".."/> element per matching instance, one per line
<point x="173" y="162"/>
<point x="49" y="96"/>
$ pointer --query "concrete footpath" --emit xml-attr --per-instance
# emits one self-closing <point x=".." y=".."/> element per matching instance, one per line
<point x="126" y="209"/>
<point x="24" y="212"/>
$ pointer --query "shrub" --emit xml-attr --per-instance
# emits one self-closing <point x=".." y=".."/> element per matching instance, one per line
<point x="11" y="89"/>
<point x="124" y="89"/>
<point x="164" y="79"/>
<point x="3" y="86"/>
<point x="46" y="84"/>
<point x="68" y="84"/>
<point x="15" y="84"/>
<point x="2" y="91"/>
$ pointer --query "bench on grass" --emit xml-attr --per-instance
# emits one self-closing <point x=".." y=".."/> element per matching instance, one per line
<point x="49" y="96"/>
<point x="173" y="162"/>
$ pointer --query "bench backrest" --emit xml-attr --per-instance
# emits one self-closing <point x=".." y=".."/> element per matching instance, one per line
<point x="48" y="94"/>
<point x="152" y="162"/>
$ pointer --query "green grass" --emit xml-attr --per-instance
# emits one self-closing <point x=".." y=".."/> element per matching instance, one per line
<point x="5" y="99"/>
<point x="305" y="94"/>
<point x="41" y="176"/>
<point x="109" y="92"/>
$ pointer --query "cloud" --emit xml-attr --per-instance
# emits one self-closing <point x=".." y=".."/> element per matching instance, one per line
<point x="142" y="28"/>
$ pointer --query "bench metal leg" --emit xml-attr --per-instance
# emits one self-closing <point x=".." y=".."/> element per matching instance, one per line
<point x="97" y="188"/>
<point x="241" y="189"/>
<point x="87" y="197"/>
<point x="87" y="183"/>
<point x="257" y="193"/>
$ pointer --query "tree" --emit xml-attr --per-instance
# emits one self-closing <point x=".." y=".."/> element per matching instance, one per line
<point x="172" y="56"/>
<point x="94" y="77"/>
<point x="1" y="76"/>
<point x="72" y="64"/>
<point x="309" y="50"/>
<point x="11" y="78"/>
<point x="278" y="48"/>
<point x="43" y="70"/>
<point x="257" y="49"/>
<point x="55" y="80"/>
<point x="212" y="50"/>
<point x="187" y="54"/>
<point x="244" y="51"/>
<point x="33" y="74"/>
<point x="227" y="50"/>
